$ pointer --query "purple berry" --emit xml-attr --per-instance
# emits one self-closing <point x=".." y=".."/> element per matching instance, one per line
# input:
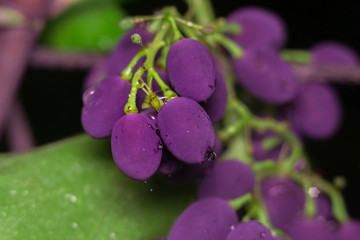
<point x="191" y="70"/>
<point x="135" y="146"/>
<point x="186" y="130"/>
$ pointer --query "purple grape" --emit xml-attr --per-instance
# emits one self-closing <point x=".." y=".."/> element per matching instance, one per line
<point x="169" y="164"/>
<point x="323" y="207"/>
<point x="260" y="28"/>
<point x="104" y="105"/>
<point x="349" y="230"/>
<point x="208" y="218"/>
<point x="191" y="70"/>
<point x="333" y="53"/>
<point x="316" y="111"/>
<point x="186" y="130"/>
<point x="135" y="146"/>
<point x="215" y="106"/>
<point x="278" y="238"/>
<point x="310" y="230"/>
<point x="251" y="230"/>
<point x="228" y="180"/>
<point x="96" y="74"/>
<point x="125" y="50"/>
<point x="284" y="201"/>
<point x="266" y="76"/>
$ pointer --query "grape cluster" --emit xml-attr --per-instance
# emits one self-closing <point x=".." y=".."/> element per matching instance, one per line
<point x="161" y="94"/>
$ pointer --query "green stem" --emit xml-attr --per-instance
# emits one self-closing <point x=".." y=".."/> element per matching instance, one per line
<point x="240" y="201"/>
<point x="295" y="55"/>
<point x="233" y="48"/>
<point x="127" y="73"/>
<point x="176" y="31"/>
<point x="168" y="93"/>
<point x="203" y="11"/>
<point x="130" y="106"/>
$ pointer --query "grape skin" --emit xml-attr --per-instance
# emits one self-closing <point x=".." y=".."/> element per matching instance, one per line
<point x="191" y="70"/>
<point x="186" y="130"/>
<point x="229" y="179"/>
<point x="251" y="230"/>
<point x="349" y="230"/>
<point x="284" y="201"/>
<point x="215" y="106"/>
<point x="266" y="76"/>
<point x="105" y="106"/>
<point x="333" y="53"/>
<point x="205" y="219"/>
<point x="310" y="229"/>
<point x="135" y="146"/>
<point x="316" y="111"/>
<point x="260" y="28"/>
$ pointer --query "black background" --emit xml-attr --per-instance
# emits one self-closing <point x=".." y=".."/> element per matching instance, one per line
<point x="52" y="98"/>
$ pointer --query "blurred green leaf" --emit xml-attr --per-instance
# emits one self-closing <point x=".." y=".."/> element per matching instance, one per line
<point x="73" y="190"/>
<point x="87" y="26"/>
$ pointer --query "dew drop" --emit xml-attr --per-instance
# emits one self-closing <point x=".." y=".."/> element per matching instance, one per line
<point x="89" y="94"/>
<point x="232" y="227"/>
<point x="12" y="192"/>
<point x="263" y="234"/>
<point x="314" y="192"/>
<point x="73" y="199"/>
<point x="160" y="146"/>
<point x="74" y="225"/>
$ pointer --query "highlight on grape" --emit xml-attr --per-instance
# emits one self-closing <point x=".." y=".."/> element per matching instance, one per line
<point x="178" y="97"/>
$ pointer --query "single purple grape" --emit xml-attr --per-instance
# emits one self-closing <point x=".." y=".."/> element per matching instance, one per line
<point x="215" y="106"/>
<point x="284" y="201"/>
<point x="310" y="229"/>
<point x="191" y="70"/>
<point x="333" y="53"/>
<point x="208" y="218"/>
<point x="135" y="146"/>
<point x="125" y="50"/>
<point x="260" y="28"/>
<point x="316" y="111"/>
<point x="96" y="74"/>
<point x="186" y="130"/>
<point x="349" y="230"/>
<point x="251" y="230"/>
<point x="266" y="76"/>
<point x="228" y="180"/>
<point x="104" y="105"/>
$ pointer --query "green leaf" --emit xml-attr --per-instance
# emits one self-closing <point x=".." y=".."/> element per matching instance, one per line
<point x="87" y="26"/>
<point x="73" y="190"/>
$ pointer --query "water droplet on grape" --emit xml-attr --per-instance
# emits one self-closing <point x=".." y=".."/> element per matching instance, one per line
<point x="263" y="234"/>
<point x="232" y="227"/>
<point x="89" y="94"/>
<point x="160" y="146"/>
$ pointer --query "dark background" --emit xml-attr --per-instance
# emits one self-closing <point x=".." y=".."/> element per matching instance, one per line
<point x="52" y="98"/>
